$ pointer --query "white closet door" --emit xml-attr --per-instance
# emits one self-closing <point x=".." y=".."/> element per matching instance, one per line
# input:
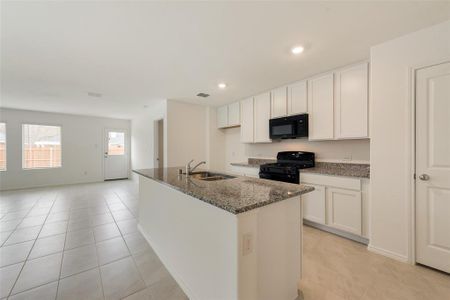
<point x="433" y="166"/>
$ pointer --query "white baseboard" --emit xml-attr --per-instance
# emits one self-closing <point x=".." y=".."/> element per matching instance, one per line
<point x="388" y="253"/>
<point x="171" y="268"/>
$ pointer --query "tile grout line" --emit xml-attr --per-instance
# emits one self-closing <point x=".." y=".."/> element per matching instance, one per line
<point x="62" y="257"/>
<point x="21" y="220"/>
<point x="131" y="254"/>
<point x="96" y="253"/>
<point x="34" y="242"/>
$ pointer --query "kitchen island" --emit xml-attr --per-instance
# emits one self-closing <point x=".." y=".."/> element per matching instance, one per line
<point x="233" y="238"/>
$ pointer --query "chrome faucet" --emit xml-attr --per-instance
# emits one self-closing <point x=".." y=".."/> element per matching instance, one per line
<point x="190" y="169"/>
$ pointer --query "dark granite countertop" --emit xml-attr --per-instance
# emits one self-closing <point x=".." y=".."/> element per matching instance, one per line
<point x="235" y="195"/>
<point x="325" y="168"/>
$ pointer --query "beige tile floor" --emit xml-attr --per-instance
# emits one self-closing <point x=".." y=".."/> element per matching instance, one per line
<point x="337" y="268"/>
<point x="81" y="242"/>
<point x="78" y="242"/>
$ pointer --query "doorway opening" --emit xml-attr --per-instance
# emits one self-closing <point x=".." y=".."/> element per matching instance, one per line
<point x="158" y="143"/>
<point x="116" y="154"/>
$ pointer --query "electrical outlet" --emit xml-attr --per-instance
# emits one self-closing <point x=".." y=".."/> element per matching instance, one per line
<point x="247" y="244"/>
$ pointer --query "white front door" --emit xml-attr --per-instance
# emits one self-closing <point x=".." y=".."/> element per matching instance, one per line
<point x="433" y="166"/>
<point x="116" y="154"/>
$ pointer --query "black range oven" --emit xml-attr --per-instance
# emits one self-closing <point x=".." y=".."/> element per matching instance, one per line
<point x="288" y="165"/>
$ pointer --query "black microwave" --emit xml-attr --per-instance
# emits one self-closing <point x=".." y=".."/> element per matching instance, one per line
<point x="289" y="127"/>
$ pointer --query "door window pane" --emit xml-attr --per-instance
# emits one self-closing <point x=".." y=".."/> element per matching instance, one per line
<point x="41" y="146"/>
<point x="2" y="147"/>
<point x="116" y="143"/>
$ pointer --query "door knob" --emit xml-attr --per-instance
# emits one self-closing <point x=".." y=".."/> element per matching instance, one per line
<point x="424" y="177"/>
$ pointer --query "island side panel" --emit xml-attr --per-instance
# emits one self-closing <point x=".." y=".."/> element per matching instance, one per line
<point x="270" y="243"/>
<point x="197" y="242"/>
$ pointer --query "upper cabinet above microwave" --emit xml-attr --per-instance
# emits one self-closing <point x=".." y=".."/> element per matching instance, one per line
<point x="228" y="115"/>
<point x="336" y="103"/>
<point x="289" y="100"/>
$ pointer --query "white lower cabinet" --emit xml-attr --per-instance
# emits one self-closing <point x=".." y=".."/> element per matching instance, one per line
<point x="314" y="205"/>
<point x="338" y="203"/>
<point x="344" y="210"/>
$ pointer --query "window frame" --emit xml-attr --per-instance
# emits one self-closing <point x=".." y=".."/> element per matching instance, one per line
<point x="6" y="148"/>
<point x="23" y="145"/>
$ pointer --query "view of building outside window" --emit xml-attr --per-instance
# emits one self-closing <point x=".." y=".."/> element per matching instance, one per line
<point x="116" y="143"/>
<point x="2" y="146"/>
<point x="41" y="146"/>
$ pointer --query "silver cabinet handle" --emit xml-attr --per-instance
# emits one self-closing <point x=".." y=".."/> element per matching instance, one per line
<point x="424" y="177"/>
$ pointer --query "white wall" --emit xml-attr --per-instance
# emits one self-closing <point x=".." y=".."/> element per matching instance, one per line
<point x="235" y="151"/>
<point x="216" y="142"/>
<point x="82" y="148"/>
<point x="186" y="133"/>
<point x="391" y="134"/>
<point x="143" y="135"/>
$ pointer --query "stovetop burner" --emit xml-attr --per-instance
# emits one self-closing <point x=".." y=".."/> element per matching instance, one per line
<point x="287" y="166"/>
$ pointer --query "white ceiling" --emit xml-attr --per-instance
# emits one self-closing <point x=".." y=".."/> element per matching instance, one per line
<point x="135" y="53"/>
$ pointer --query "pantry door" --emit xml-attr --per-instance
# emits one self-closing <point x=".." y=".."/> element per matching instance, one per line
<point x="116" y="154"/>
<point x="433" y="166"/>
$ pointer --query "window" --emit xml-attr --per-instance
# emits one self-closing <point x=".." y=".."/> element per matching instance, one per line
<point x="2" y="147"/>
<point x="41" y="146"/>
<point x="116" y="143"/>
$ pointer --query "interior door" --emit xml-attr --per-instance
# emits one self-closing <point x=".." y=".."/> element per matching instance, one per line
<point x="116" y="154"/>
<point x="433" y="166"/>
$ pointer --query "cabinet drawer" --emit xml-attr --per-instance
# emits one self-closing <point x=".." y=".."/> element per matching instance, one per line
<point x="332" y="181"/>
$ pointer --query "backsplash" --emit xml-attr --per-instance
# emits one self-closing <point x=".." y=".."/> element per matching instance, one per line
<point x="352" y="151"/>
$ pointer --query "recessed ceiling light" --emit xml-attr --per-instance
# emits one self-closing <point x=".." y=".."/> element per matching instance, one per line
<point x="222" y="85"/>
<point x="297" y="50"/>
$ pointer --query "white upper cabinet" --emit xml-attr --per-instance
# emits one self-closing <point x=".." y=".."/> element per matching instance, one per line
<point x="351" y="102"/>
<point x="320" y="107"/>
<point x="234" y="116"/>
<point x="247" y="118"/>
<point x="228" y="115"/>
<point x="222" y="116"/>
<point x="279" y="102"/>
<point x="262" y="117"/>
<point x="297" y="98"/>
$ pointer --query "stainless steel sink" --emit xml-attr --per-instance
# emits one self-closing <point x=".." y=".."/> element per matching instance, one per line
<point x="209" y="176"/>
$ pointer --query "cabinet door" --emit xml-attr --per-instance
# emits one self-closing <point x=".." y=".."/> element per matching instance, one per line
<point x="262" y="117"/>
<point x="320" y="107"/>
<point x="344" y="210"/>
<point x="314" y="204"/>
<point x="279" y="102"/>
<point x="351" y="102"/>
<point x="297" y="98"/>
<point x="234" y="117"/>
<point x="222" y="116"/>
<point x="247" y="118"/>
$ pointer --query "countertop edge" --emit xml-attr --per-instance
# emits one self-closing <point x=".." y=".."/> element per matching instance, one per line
<point x="305" y="189"/>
